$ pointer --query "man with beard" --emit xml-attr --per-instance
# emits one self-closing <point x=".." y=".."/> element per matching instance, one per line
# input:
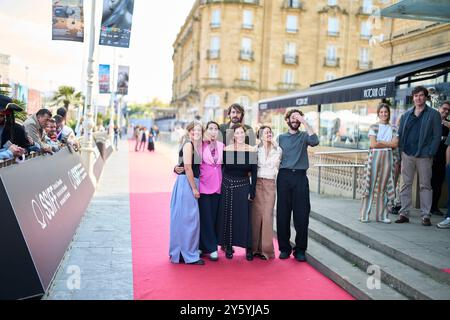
<point x="293" y="185"/>
<point x="236" y="115"/>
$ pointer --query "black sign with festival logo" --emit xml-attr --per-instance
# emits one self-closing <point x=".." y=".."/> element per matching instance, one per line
<point x="116" y="23"/>
<point x="42" y="203"/>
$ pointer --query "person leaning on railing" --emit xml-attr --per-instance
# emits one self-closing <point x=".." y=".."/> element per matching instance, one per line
<point x="380" y="167"/>
<point x="34" y="126"/>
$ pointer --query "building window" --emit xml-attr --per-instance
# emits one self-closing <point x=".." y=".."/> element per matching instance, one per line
<point x="364" y="59"/>
<point x="288" y="77"/>
<point x="212" y="108"/>
<point x="290" y="53"/>
<point x="215" y="21"/>
<point x="295" y="4"/>
<point x="329" y="76"/>
<point x="292" y="24"/>
<point x="332" y="2"/>
<point x="333" y="26"/>
<point x="245" y="73"/>
<point x="213" y="71"/>
<point x="246" y="49"/>
<point x="214" y="49"/>
<point x="247" y="19"/>
<point x="366" y="30"/>
<point x="212" y="101"/>
<point x="331" y="59"/>
<point x="367" y="6"/>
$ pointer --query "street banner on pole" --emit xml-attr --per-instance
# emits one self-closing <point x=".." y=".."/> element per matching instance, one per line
<point x="116" y="23"/>
<point x="68" y="20"/>
<point x="122" y="80"/>
<point x="104" y="78"/>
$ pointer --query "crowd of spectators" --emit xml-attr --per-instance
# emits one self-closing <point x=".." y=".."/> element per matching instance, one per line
<point x="40" y="133"/>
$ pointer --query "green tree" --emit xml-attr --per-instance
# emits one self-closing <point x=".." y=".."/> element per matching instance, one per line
<point x="19" y="115"/>
<point x="67" y="96"/>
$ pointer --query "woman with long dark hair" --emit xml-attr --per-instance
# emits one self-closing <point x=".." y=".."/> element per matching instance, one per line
<point x="238" y="191"/>
<point x="380" y="167"/>
<point x="210" y="189"/>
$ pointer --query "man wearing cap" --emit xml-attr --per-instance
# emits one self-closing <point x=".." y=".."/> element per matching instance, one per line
<point x="35" y="125"/>
<point x="10" y="131"/>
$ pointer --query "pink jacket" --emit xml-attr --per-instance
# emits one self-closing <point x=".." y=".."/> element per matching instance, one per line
<point x="210" y="172"/>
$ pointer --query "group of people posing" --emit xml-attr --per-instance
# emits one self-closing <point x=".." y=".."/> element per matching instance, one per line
<point x="419" y="144"/>
<point x="226" y="187"/>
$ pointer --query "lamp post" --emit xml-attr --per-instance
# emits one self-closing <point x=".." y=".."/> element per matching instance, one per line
<point x="87" y="150"/>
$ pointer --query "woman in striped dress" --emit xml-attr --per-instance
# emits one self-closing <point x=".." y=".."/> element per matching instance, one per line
<point x="379" y="176"/>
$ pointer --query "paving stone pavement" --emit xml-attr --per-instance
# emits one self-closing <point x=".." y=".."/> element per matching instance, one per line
<point x="101" y="249"/>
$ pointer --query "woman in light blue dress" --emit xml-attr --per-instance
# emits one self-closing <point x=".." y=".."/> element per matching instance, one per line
<point x="184" y="210"/>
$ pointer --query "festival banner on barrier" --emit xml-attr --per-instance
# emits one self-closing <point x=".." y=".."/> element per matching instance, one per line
<point x="122" y="80"/>
<point x="39" y="219"/>
<point x="104" y="78"/>
<point x="116" y="23"/>
<point x="68" y="20"/>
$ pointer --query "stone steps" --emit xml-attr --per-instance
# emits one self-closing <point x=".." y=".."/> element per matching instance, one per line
<point x="395" y="274"/>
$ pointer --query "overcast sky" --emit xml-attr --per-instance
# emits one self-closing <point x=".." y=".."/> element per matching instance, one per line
<point x="26" y="36"/>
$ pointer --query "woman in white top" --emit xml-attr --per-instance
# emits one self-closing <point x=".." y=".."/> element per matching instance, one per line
<point x="269" y="156"/>
<point x="379" y="177"/>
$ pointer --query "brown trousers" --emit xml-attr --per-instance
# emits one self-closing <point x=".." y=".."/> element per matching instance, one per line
<point x="262" y="217"/>
<point x="423" y="166"/>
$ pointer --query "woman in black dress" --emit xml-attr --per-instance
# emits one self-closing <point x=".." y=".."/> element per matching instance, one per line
<point x="238" y="191"/>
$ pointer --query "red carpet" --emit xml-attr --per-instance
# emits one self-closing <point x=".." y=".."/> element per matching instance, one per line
<point x="155" y="278"/>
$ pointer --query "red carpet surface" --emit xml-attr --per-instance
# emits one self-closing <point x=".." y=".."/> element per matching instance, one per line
<point x="155" y="278"/>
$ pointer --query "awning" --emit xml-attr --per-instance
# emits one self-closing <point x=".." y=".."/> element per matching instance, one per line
<point x="429" y="10"/>
<point x="374" y="84"/>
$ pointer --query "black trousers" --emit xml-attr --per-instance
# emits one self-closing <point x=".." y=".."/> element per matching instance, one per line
<point x="292" y="197"/>
<point x="438" y="176"/>
<point x="209" y="211"/>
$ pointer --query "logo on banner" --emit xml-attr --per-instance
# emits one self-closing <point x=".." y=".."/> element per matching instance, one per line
<point x="48" y="202"/>
<point x="302" y="101"/>
<point x="77" y="175"/>
<point x="372" y="93"/>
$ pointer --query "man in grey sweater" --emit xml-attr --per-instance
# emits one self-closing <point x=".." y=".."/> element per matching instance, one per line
<point x="293" y="185"/>
<point x="419" y="134"/>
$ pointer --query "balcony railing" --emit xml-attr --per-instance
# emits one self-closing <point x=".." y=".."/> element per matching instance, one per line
<point x="212" y="82"/>
<point x="289" y="4"/>
<point x="248" y="26"/>
<point x="333" y="33"/>
<point x="246" y="55"/>
<point x="287" y="86"/>
<point x="290" y="59"/>
<point x="215" y="25"/>
<point x="291" y="30"/>
<point x="331" y="62"/>
<point x="248" y="84"/>
<point x="213" y="54"/>
<point x="230" y="1"/>
<point x="365" y="65"/>
<point x="365" y="36"/>
<point x="367" y="11"/>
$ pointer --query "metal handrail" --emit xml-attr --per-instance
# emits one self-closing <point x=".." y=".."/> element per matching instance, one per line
<point x="341" y="152"/>
<point x="354" y="166"/>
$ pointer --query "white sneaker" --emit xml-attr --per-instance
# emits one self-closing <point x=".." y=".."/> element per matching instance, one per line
<point x="444" y="224"/>
<point x="214" y="256"/>
<point x="386" y="220"/>
<point x="364" y="220"/>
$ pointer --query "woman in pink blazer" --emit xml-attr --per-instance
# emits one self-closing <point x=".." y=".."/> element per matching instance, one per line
<point x="210" y="187"/>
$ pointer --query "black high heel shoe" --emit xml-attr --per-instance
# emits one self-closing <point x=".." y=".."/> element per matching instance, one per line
<point x="249" y="254"/>
<point x="229" y="253"/>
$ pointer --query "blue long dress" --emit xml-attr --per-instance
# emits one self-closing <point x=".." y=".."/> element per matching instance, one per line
<point x="185" y="217"/>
